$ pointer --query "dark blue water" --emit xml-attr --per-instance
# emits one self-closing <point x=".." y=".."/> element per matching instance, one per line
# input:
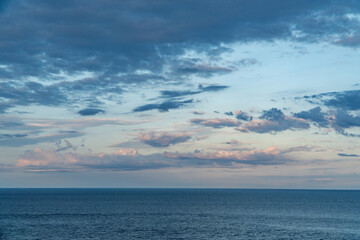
<point x="178" y="214"/>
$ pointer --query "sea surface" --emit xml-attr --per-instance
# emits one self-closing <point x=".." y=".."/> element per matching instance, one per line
<point x="178" y="214"/>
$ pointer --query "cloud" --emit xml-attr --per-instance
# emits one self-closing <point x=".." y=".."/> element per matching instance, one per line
<point x="29" y="93"/>
<point x="268" y="156"/>
<point x="212" y="88"/>
<point x="44" y="158"/>
<point x="232" y="141"/>
<point x="7" y="136"/>
<point x="201" y="89"/>
<point x="215" y="122"/>
<point x="341" y="119"/>
<point x="164" y="106"/>
<point x="163" y="139"/>
<point x="240" y="115"/>
<point x="353" y="40"/>
<point x="152" y="28"/>
<point x="40" y="159"/>
<point x="315" y="115"/>
<point x="90" y="111"/>
<point x="198" y="112"/>
<point x="20" y="140"/>
<point x="79" y="123"/>
<point x="273" y="121"/>
<point x="6" y="167"/>
<point x="126" y="152"/>
<point x="203" y="70"/>
<point x="10" y="122"/>
<point x="348" y="155"/>
<point x="338" y="116"/>
<point x="348" y="100"/>
<point x="112" y="41"/>
<point x="273" y="114"/>
<point x="29" y="131"/>
<point x="68" y="146"/>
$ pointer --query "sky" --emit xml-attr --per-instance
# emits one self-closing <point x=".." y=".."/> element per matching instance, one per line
<point x="180" y="94"/>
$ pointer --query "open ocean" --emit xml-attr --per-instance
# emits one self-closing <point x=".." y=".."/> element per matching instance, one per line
<point x="178" y="214"/>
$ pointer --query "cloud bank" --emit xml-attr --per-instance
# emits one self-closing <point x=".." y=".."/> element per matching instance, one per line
<point x="40" y="159"/>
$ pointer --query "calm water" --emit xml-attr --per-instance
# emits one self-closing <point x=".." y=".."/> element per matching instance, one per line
<point x="178" y="214"/>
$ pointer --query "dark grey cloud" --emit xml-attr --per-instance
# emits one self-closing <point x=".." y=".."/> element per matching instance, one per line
<point x="339" y="116"/>
<point x="273" y="121"/>
<point x="174" y="93"/>
<point x="163" y="139"/>
<point x="200" y="89"/>
<point x="342" y="119"/>
<point x="349" y="100"/>
<point x="164" y="106"/>
<point x="211" y="88"/>
<point x="243" y="116"/>
<point x="212" y="66"/>
<point x="348" y="155"/>
<point x="113" y="39"/>
<point x="90" y="111"/>
<point x="273" y="114"/>
<point x="29" y="93"/>
<point x="315" y="115"/>
<point x="215" y="122"/>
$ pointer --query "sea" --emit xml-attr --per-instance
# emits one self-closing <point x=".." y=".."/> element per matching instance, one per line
<point x="179" y="214"/>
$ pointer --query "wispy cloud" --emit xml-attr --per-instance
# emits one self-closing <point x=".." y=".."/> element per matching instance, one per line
<point x="200" y="89"/>
<point x="164" y="106"/>
<point x="348" y="155"/>
<point x="215" y="122"/>
<point x="24" y="140"/>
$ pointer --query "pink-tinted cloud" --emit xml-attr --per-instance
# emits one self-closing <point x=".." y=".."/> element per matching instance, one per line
<point x="46" y="157"/>
<point x="40" y="159"/>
